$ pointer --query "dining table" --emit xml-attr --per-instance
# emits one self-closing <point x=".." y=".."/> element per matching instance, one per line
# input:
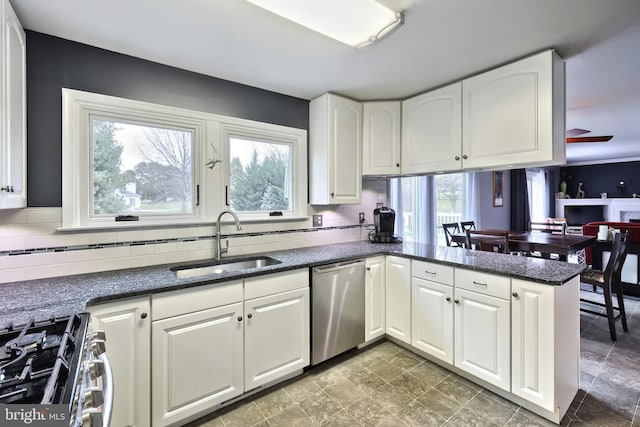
<point x="544" y="243"/>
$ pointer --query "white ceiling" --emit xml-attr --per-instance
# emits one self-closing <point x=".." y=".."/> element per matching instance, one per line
<point x="441" y="41"/>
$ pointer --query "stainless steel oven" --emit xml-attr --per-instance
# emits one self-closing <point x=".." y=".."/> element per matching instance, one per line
<point x="57" y="363"/>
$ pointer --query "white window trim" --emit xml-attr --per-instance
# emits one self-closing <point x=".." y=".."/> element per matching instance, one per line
<point x="210" y="132"/>
<point x="278" y="134"/>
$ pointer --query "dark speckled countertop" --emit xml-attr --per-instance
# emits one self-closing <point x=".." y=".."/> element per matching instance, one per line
<point x="59" y="296"/>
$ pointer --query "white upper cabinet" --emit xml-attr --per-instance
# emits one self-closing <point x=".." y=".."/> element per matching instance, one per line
<point x="13" y="147"/>
<point x="432" y="131"/>
<point x="381" y="138"/>
<point x="335" y="141"/>
<point x="514" y="115"/>
<point x="508" y="117"/>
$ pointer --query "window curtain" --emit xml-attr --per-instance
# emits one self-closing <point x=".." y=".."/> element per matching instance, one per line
<point x="520" y="218"/>
<point x="418" y="209"/>
<point x="470" y="202"/>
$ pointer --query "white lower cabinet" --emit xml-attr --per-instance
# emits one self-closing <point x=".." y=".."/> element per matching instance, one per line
<point x="127" y="326"/>
<point x="482" y="337"/>
<point x="482" y="326"/>
<point x="432" y="309"/>
<point x="257" y="332"/>
<point x="276" y="336"/>
<point x="545" y="341"/>
<point x="398" y="298"/>
<point x="375" y="296"/>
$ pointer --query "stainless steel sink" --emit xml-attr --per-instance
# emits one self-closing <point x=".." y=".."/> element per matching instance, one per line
<point x="186" y="272"/>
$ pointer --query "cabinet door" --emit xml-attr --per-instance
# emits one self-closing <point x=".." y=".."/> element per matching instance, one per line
<point x="515" y="114"/>
<point x="13" y="174"/>
<point x="335" y="144"/>
<point x="197" y="363"/>
<point x="398" y="298"/>
<point x="276" y="336"/>
<point x="432" y="318"/>
<point x="375" y="295"/>
<point x="127" y="327"/>
<point x="532" y="347"/>
<point x="381" y="138"/>
<point x="482" y="337"/>
<point x="432" y="131"/>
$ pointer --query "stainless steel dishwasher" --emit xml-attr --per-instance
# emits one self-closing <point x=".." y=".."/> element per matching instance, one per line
<point x="337" y="309"/>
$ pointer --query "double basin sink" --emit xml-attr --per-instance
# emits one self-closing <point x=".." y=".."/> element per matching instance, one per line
<point x="224" y="266"/>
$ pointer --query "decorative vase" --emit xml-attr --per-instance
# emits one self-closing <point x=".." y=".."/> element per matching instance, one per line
<point x="563" y="187"/>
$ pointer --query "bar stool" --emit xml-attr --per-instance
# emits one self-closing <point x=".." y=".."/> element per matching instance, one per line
<point x="609" y="280"/>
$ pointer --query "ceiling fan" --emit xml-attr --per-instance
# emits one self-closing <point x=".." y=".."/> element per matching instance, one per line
<point x="573" y="136"/>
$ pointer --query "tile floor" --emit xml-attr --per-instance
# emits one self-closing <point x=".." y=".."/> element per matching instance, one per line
<point x="386" y="385"/>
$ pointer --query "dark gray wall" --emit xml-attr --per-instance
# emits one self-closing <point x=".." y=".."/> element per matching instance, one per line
<point x="603" y="178"/>
<point x="54" y="63"/>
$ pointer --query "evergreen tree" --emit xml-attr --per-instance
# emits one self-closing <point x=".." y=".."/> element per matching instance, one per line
<point x="107" y="180"/>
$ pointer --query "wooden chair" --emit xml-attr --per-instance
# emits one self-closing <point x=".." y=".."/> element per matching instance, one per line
<point x="548" y="227"/>
<point x="609" y="280"/>
<point x="467" y="225"/>
<point x="493" y="241"/>
<point x="450" y="229"/>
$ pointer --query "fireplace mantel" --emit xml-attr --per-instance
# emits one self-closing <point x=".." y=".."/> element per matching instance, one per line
<point x="614" y="209"/>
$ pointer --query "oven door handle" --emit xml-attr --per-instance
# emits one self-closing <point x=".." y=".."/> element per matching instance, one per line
<point x="107" y="388"/>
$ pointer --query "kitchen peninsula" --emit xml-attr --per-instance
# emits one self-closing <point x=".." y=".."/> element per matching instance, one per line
<point x="530" y="356"/>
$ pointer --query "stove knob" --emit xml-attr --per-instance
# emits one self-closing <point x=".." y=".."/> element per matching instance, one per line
<point x="99" y="335"/>
<point x="91" y="418"/>
<point x="93" y="397"/>
<point x="95" y="368"/>
<point x="98" y="347"/>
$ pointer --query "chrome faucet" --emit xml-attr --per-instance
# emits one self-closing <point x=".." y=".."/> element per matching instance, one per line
<point x="220" y="250"/>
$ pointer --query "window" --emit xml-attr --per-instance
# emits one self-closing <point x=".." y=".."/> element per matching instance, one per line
<point x="140" y="168"/>
<point x="537" y="186"/>
<point x="424" y="203"/>
<point x="267" y="173"/>
<point x="125" y="159"/>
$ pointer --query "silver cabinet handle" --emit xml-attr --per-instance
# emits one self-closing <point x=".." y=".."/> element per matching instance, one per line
<point x="448" y="299"/>
<point x="515" y="295"/>
<point x="484" y="285"/>
<point x="457" y="301"/>
<point x="432" y="273"/>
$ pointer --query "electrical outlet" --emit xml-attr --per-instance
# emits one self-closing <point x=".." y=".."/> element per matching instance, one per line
<point x="317" y="220"/>
<point x="379" y="205"/>
<point x="361" y="217"/>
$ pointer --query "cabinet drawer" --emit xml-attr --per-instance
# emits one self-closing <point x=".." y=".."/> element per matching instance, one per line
<point x="434" y="272"/>
<point x="269" y="284"/>
<point x="183" y="301"/>
<point x="484" y="283"/>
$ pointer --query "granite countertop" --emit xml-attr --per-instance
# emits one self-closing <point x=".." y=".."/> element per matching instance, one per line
<point x="60" y="296"/>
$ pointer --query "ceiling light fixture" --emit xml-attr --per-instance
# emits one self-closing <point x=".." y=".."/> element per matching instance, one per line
<point x="354" y="22"/>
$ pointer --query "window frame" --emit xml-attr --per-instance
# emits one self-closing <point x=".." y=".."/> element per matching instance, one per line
<point x="210" y="145"/>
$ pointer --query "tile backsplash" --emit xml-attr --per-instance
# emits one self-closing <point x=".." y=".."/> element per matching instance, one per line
<point x="32" y="248"/>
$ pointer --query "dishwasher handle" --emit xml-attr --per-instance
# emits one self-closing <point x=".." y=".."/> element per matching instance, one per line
<point x="337" y="267"/>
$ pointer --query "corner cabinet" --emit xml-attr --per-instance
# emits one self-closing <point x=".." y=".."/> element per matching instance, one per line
<point x="375" y="296"/>
<point x="381" y="138"/>
<point x="398" y="298"/>
<point x="514" y="115"/>
<point x="13" y="133"/>
<point x="335" y="156"/>
<point x="432" y="131"/>
<point x="127" y="325"/>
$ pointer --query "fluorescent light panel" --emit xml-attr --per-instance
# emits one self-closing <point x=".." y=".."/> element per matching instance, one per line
<point x="353" y="22"/>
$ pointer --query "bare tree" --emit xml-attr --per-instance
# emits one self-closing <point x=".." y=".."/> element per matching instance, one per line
<point x="173" y="148"/>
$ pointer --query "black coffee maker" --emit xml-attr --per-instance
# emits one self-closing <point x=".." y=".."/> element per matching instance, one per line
<point x="384" y="219"/>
